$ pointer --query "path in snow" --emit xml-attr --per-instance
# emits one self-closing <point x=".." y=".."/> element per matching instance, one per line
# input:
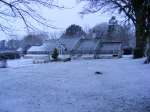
<point x="124" y="86"/>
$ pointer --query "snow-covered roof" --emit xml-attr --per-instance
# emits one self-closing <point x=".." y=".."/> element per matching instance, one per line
<point x="88" y="44"/>
<point x="20" y="49"/>
<point x="69" y="42"/>
<point x="47" y="46"/>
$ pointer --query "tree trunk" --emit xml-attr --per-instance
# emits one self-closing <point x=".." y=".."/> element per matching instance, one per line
<point x="139" y="27"/>
<point x="140" y="31"/>
<point x="140" y="39"/>
<point x="140" y="42"/>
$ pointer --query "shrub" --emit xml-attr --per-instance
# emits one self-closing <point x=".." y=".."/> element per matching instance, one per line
<point x="9" y="55"/>
<point x="55" y="54"/>
<point x="127" y="51"/>
<point x="138" y="53"/>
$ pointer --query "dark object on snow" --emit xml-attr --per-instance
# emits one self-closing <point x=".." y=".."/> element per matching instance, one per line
<point x="98" y="73"/>
<point x="3" y="64"/>
<point x="115" y="55"/>
<point x="67" y="59"/>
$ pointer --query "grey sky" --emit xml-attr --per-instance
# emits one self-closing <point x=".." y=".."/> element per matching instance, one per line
<point x="62" y="18"/>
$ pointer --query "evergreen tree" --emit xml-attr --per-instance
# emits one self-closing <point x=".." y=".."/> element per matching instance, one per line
<point x="55" y="54"/>
<point x="74" y="30"/>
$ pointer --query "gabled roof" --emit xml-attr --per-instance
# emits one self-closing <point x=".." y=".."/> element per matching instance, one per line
<point x="88" y="44"/>
<point x="69" y="42"/>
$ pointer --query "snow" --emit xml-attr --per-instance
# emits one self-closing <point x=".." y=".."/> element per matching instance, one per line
<point x="73" y="86"/>
<point x="19" y="63"/>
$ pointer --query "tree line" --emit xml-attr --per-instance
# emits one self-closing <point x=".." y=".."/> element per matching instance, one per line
<point x="137" y="11"/>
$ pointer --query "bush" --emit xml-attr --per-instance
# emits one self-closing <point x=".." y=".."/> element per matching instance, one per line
<point x="127" y="51"/>
<point x="138" y="53"/>
<point x="9" y="55"/>
<point x="55" y="54"/>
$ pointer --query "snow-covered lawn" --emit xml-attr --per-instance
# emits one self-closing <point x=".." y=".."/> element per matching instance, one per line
<point x="73" y="86"/>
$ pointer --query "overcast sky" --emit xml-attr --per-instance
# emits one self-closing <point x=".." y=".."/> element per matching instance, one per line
<point x="62" y="18"/>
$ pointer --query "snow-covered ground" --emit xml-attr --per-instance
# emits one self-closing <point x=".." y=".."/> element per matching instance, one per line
<point x="73" y="86"/>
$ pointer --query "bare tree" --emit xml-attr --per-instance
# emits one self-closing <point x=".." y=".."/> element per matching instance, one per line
<point x="138" y="11"/>
<point x="86" y="29"/>
<point x="55" y="35"/>
<point x="24" y="11"/>
<point x="33" y="39"/>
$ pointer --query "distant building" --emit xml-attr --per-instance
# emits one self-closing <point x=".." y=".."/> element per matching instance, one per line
<point x="119" y="34"/>
<point x="46" y="48"/>
<point x="78" y="46"/>
<point x="69" y="43"/>
<point x="98" y="47"/>
<point x="87" y="46"/>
